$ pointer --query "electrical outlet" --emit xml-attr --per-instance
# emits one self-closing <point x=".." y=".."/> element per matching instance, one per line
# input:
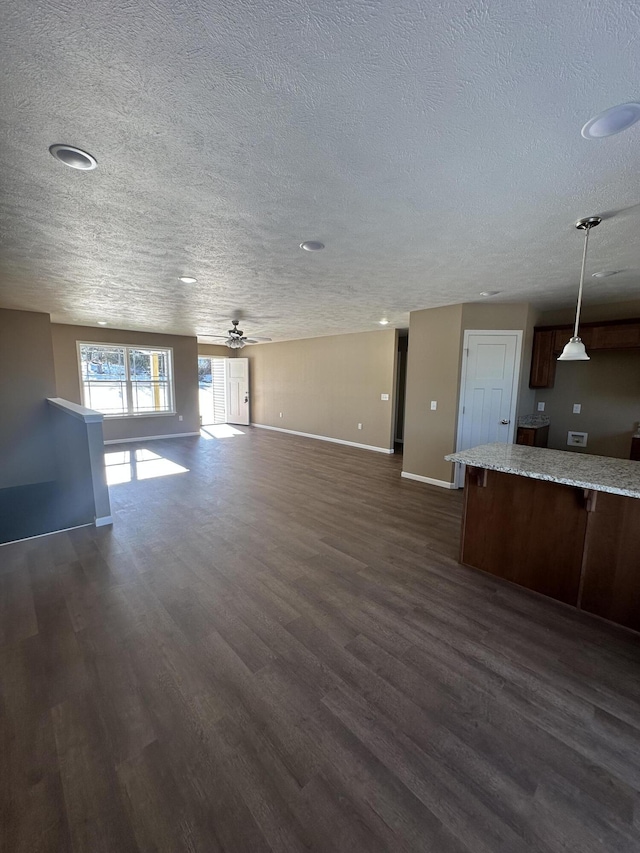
<point x="434" y="405"/>
<point x="180" y="417"/>
<point x="541" y="407"/>
<point x="577" y="439"/>
<point x="280" y="414"/>
<point x="359" y="426"/>
<point x="577" y="408"/>
<point x="384" y="396"/>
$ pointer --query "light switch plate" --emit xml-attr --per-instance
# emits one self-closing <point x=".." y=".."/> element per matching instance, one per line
<point x="541" y="407"/>
<point x="434" y="405"/>
<point x="577" y="408"/>
<point x="577" y="439"/>
<point x="384" y="396"/>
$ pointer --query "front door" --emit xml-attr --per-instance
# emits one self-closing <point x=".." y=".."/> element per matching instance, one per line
<point x="488" y="392"/>
<point x="237" y="377"/>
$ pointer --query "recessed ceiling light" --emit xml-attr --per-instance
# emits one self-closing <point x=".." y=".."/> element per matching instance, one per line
<point x="187" y="279"/>
<point x="489" y="292"/>
<point x="383" y="322"/>
<point x="604" y="273"/>
<point x="612" y="121"/>
<point x="312" y="245"/>
<point x="74" y="157"/>
<point x="102" y="322"/>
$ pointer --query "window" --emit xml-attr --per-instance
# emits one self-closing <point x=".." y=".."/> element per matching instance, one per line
<point x="124" y="381"/>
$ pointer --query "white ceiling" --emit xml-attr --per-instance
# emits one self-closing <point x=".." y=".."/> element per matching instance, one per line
<point x="433" y="146"/>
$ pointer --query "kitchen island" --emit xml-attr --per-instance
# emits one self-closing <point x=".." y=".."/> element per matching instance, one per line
<point x="566" y="525"/>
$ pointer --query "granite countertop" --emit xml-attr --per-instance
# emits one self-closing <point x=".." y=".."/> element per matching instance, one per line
<point x="533" y="421"/>
<point x="602" y="473"/>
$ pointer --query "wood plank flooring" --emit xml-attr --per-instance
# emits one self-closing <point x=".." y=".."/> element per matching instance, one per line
<point x="277" y="650"/>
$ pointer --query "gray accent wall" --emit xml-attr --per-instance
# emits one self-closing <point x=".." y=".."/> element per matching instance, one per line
<point x="27" y="378"/>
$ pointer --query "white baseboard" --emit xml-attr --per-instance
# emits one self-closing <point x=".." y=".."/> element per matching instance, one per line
<point x="430" y="480"/>
<point x="326" y="438"/>
<point x="103" y="520"/>
<point x="149" y="437"/>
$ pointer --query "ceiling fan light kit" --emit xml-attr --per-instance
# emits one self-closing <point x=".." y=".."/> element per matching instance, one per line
<point x="235" y="343"/>
<point x="575" y="350"/>
<point x="236" y="339"/>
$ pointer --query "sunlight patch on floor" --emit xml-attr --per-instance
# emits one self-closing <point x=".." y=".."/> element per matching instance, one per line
<point x="219" y="431"/>
<point x="124" y="466"/>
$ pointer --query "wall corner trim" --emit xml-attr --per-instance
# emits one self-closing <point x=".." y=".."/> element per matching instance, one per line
<point x="150" y="437"/>
<point x="443" y="484"/>
<point x="388" y="450"/>
<point x="104" y="520"/>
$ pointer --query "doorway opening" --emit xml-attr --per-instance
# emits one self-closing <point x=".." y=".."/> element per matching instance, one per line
<point x="212" y="390"/>
<point x="402" y="343"/>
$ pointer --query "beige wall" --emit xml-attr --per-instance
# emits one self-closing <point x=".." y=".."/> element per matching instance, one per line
<point x="516" y="315"/>
<point x="213" y="350"/>
<point x="326" y="386"/>
<point x="433" y="373"/>
<point x="26" y="380"/>
<point x="608" y="389"/>
<point x="185" y="362"/>
<point x="436" y="339"/>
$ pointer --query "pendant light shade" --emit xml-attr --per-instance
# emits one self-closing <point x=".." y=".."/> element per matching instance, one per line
<point x="574" y="350"/>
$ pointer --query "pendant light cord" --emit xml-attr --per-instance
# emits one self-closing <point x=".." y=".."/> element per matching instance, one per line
<point x="584" y="264"/>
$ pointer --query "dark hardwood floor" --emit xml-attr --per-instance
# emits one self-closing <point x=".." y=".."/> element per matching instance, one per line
<point x="277" y="650"/>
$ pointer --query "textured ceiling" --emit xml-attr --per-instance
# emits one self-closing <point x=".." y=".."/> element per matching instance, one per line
<point x="433" y="146"/>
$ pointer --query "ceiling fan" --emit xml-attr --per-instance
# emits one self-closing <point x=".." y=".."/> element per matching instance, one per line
<point x="236" y="339"/>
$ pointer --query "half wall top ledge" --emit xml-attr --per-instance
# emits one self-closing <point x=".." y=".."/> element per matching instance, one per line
<point x="89" y="416"/>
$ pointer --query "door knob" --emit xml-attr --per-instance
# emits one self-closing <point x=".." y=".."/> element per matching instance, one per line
<point x="246" y="398"/>
<point x="505" y="422"/>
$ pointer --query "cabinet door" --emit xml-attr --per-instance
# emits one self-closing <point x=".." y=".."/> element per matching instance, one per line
<point x="543" y="365"/>
<point x="611" y="574"/>
<point x="526" y="436"/>
<point x="529" y="532"/>
<point x="617" y="336"/>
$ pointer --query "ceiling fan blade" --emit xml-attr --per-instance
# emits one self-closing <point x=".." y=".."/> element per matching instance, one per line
<point x="257" y="340"/>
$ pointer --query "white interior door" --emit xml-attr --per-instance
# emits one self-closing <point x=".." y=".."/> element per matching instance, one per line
<point x="237" y="380"/>
<point x="488" y="390"/>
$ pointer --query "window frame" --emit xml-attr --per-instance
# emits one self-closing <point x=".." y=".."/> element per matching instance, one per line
<point x="168" y="351"/>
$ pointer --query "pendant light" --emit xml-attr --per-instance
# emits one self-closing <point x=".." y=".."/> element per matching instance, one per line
<point x="574" y="350"/>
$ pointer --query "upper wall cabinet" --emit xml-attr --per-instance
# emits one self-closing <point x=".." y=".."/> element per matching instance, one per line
<point x="543" y="367"/>
<point x="548" y="342"/>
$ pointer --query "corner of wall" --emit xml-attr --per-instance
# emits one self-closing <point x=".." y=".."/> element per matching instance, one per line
<point x="433" y="374"/>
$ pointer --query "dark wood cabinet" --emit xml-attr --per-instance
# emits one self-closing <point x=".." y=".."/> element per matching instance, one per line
<point x="582" y="548"/>
<point x="635" y="449"/>
<point x="549" y="341"/>
<point x="611" y="572"/>
<point x="618" y="336"/>
<point x="529" y="532"/>
<point x="533" y="436"/>
<point x="543" y="366"/>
